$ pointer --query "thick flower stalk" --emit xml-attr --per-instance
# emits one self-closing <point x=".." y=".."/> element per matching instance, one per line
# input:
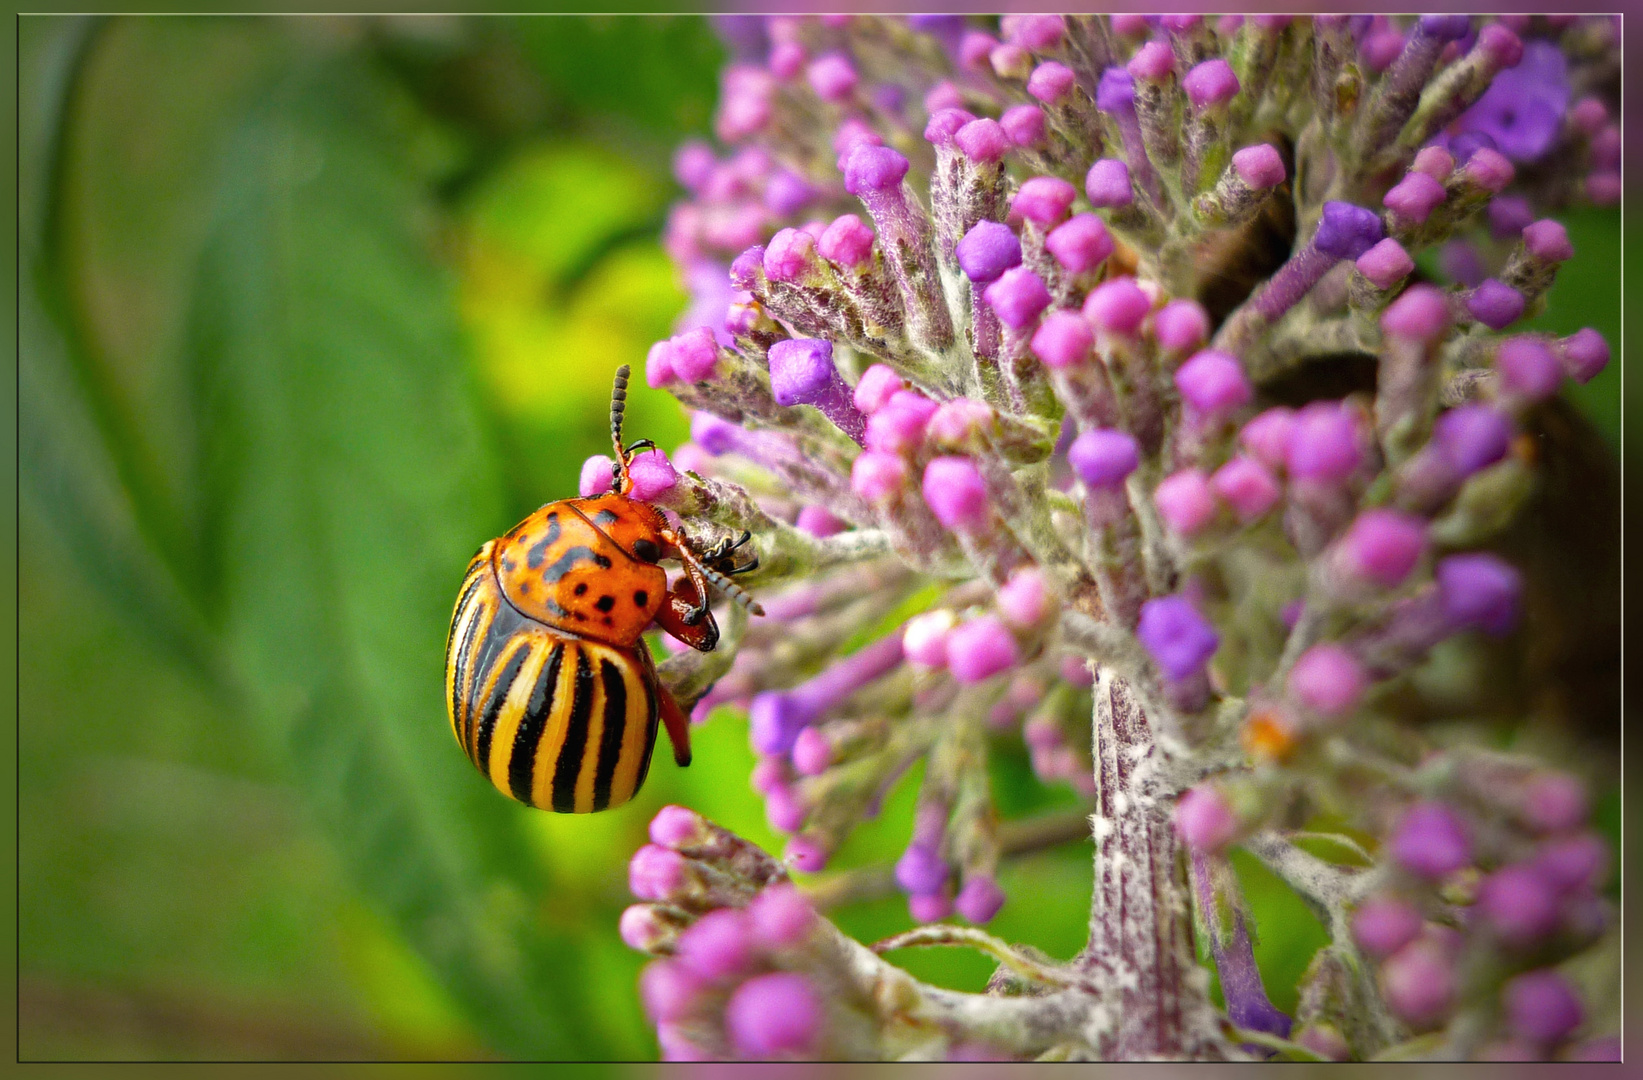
<point x="1001" y="351"/>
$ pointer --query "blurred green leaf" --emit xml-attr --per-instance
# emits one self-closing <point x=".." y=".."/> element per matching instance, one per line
<point x="354" y="480"/>
<point x="656" y="72"/>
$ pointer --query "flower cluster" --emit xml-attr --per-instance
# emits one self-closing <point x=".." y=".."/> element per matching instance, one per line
<point x="995" y="349"/>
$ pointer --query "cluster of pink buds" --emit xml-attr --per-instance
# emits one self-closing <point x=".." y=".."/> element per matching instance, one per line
<point x="1085" y="381"/>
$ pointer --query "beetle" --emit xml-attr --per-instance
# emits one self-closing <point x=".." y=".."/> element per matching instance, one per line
<point x="551" y="690"/>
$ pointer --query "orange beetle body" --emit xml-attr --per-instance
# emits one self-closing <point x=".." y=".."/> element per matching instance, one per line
<point x="551" y="689"/>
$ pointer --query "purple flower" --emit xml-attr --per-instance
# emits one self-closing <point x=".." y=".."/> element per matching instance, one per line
<point x="1063" y="339"/>
<point x="1522" y="111"/>
<point x="1472" y="437"/>
<point x="1323" y="443"/>
<point x="1044" y="200"/>
<point x="669" y="989"/>
<point x="1495" y="304"/>
<point x="1382" y="546"/>
<point x="921" y="870"/>
<point x="1383" y="925"/>
<point x="987" y="250"/>
<point x="1205" y="820"/>
<point x="1518" y="905"/>
<point x="717" y="945"/>
<point x="1107" y="184"/>
<point x="1329" y="680"/>
<point x="1542" y="1007"/>
<point x="1181" y="325"/>
<point x="1103" y="457"/>
<point x="775" y="1015"/>
<point x="1179" y="639"/>
<point x="1213" y="383"/>
<point x="1347" y="231"/>
<point x="1479" y="590"/>
<point x="1118" y="306"/>
<point x="1185" y="501"/>
<point x="1247" y="486"/>
<point x="981" y="648"/>
<point x="980" y="899"/>
<point x="1018" y="296"/>
<point x="956" y="494"/>
<point x="1431" y="840"/>
<point x="1419" y="983"/>
<point x="1210" y="83"/>
<point x="1528" y="368"/>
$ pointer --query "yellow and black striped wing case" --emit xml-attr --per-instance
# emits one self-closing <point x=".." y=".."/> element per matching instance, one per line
<point x="556" y="721"/>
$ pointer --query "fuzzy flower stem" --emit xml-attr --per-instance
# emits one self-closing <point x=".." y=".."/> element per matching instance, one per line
<point x="1140" y="922"/>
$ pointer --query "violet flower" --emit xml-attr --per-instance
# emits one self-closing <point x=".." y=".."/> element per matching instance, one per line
<point x="1000" y="362"/>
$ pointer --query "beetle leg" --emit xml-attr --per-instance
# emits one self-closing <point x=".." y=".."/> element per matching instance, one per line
<point x="677" y="724"/>
<point x="685" y="617"/>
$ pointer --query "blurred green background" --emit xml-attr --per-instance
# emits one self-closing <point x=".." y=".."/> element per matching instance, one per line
<point x="311" y="307"/>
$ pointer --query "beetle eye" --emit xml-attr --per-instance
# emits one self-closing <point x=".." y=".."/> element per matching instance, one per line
<point x="646" y="550"/>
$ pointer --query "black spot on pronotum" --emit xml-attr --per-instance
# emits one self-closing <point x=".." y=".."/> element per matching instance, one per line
<point x="605" y="603"/>
<point x="641" y="598"/>
<point x="581" y="588"/>
<point x="604" y="517"/>
<point x="646" y="550"/>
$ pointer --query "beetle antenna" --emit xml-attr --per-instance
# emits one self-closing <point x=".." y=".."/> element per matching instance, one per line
<point x="618" y="405"/>
<point x="732" y="590"/>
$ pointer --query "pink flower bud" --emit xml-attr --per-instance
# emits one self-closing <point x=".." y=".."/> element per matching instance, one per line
<point x="1205" y="820"/>
<point x="596" y="476"/>
<point x="1328" y="680"/>
<point x="980" y="649"/>
<point x="1023" y="600"/>
<point x="1185" y="501"/>
<point x="1247" y="486"/>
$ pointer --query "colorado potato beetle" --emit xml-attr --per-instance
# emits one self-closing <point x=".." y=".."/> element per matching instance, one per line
<point x="551" y="690"/>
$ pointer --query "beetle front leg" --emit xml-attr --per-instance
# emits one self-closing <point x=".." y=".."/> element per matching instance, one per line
<point x="685" y="617"/>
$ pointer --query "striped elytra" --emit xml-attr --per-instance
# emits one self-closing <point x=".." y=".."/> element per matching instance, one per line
<point x="550" y="686"/>
<point x="553" y="719"/>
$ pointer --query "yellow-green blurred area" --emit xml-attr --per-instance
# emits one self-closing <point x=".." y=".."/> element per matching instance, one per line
<point x="312" y="307"/>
